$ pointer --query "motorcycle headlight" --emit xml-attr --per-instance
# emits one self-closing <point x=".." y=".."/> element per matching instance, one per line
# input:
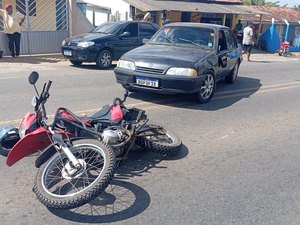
<point x="126" y="64"/>
<point x="22" y="130"/>
<point x="34" y="101"/>
<point x="85" y="44"/>
<point x="177" y="71"/>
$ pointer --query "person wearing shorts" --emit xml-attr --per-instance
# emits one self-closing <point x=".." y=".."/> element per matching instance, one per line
<point x="248" y="40"/>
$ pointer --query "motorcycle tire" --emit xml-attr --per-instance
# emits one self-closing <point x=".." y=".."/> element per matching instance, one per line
<point x="164" y="144"/>
<point x="91" y="154"/>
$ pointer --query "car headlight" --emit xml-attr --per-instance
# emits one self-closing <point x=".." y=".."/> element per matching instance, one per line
<point x="22" y="130"/>
<point x="177" y="71"/>
<point x="126" y="65"/>
<point x="85" y="44"/>
<point x="34" y="101"/>
<point x="63" y="43"/>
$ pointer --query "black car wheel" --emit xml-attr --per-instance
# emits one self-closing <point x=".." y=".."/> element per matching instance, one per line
<point x="104" y="59"/>
<point x="76" y="63"/>
<point x="207" y="89"/>
<point x="231" y="78"/>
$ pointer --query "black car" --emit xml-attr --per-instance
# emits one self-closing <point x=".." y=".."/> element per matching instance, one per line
<point x="182" y="58"/>
<point x="107" y="42"/>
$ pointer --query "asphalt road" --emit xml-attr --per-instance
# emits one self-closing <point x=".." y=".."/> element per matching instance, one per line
<point x="239" y="164"/>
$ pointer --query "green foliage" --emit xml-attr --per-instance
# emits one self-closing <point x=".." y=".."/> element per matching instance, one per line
<point x="260" y="2"/>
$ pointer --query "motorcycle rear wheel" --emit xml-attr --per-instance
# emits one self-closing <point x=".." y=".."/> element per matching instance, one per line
<point x="56" y="188"/>
<point x="165" y="144"/>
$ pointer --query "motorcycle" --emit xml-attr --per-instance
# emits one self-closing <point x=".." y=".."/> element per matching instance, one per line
<point x="76" y="171"/>
<point x="115" y="129"/>
<point x="284" y="49"/>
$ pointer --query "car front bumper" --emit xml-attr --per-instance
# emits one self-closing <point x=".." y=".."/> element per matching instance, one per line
<point x="167" y="84"/>
<point x="80" y="54"/>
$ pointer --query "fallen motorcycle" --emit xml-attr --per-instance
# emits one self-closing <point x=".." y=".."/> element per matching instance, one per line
<point x="115" y="129"/>
<point x="76" y="171"/>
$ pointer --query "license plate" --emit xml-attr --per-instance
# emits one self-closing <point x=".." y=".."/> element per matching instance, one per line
<point x="68" y="52"/>
<point x="147" y="82"/>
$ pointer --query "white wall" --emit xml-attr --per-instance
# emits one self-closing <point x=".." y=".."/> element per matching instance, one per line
<point x="115" y="5"/>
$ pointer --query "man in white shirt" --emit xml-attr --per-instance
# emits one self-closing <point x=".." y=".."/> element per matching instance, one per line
<point x="248" y="40"/>
<point x="12" y="27"/>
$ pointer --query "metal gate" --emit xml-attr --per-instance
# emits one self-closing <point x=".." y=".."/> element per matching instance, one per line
<point x="45" y="27"/>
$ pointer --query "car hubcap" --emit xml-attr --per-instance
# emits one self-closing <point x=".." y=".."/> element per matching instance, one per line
<point x="207" y="87"/>
<point x="105" y="59"/>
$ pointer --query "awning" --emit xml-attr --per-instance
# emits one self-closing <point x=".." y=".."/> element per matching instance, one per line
<point x="152" y="5"/>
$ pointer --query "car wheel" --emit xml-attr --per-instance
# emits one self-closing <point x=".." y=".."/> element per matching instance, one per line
<point x="76" y="63"/>
<point x="207" y="89"/>
<point x="232" y="77"/>
<point x="104" y="59"/>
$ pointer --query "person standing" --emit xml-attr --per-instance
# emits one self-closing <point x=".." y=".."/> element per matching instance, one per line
<point x="12" y="27"/>
<point x="248" y="39"/>
<point x="239" y="31"/>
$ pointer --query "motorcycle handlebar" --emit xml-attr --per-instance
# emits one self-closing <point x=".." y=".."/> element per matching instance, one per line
<point x="48" y="85"/>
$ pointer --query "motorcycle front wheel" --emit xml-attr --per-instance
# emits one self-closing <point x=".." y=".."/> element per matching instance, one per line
<point x="55" y="187"/>
<point x="161" y="141"/>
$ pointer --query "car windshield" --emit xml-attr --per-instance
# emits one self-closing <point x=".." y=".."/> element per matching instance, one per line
<point x="194" y="37"/>
<point x="107" y="28"/>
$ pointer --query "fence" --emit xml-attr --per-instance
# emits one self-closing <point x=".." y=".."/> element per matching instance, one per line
<point x="45" y="27"/>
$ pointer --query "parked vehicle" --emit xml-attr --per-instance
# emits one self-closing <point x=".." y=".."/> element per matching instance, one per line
<point x="185" y="58"/>
<point x="107" y="42"/>
<point x="284" y="49"/>
<point x="76" y="171"/>
<point x="72" y="147"/>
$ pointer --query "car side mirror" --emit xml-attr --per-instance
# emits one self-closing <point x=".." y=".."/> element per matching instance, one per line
<point x="33" y="77"/>
<point x="125" y="34"/>
<point x="145" y="40"/>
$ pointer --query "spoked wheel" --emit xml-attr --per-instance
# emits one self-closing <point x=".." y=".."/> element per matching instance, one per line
<point x="207" y="89"/>
<point x="160" y="140"/>
<point x="59" y="185"/>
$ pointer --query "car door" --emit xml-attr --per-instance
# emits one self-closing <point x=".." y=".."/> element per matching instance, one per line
<point x="146" y="31"/>
<point x="232" y="54"/>
<point x="128" y="39"/>
<point x="222" y="55"/>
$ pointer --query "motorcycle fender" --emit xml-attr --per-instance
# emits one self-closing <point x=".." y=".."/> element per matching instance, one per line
<point x="30" y="143"/>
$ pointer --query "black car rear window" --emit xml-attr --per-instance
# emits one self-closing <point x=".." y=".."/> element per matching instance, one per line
<point x="185" y="36"/>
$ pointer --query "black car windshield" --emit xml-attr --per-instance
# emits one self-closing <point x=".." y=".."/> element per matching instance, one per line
<point x="195" y="37"/>
<point x="107" y="28"/>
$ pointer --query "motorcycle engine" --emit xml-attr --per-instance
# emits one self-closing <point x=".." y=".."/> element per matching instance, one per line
<point x="111" y="137"/>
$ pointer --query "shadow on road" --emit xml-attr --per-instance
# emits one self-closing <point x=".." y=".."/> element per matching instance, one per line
<point x="225" y="96"/>
<point x="121" y="200"/>
<point x="92" y="66"/>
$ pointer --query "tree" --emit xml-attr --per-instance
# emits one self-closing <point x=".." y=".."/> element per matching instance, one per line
<point x="260" y="2"/>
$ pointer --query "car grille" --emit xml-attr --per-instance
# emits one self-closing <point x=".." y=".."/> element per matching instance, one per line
<point x="149" y="70"/>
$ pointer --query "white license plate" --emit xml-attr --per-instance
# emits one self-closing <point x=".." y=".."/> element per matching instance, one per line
<point x="147" y="82"/>
<point x="68" y="52"/>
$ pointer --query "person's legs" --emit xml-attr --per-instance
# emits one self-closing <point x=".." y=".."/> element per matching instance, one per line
<point x="249" y="52"/>
<point x="17" y="40"/>
<point x="11" y="44"/>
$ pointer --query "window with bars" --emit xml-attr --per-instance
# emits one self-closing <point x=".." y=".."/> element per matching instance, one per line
<point x="21" y="7"/>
